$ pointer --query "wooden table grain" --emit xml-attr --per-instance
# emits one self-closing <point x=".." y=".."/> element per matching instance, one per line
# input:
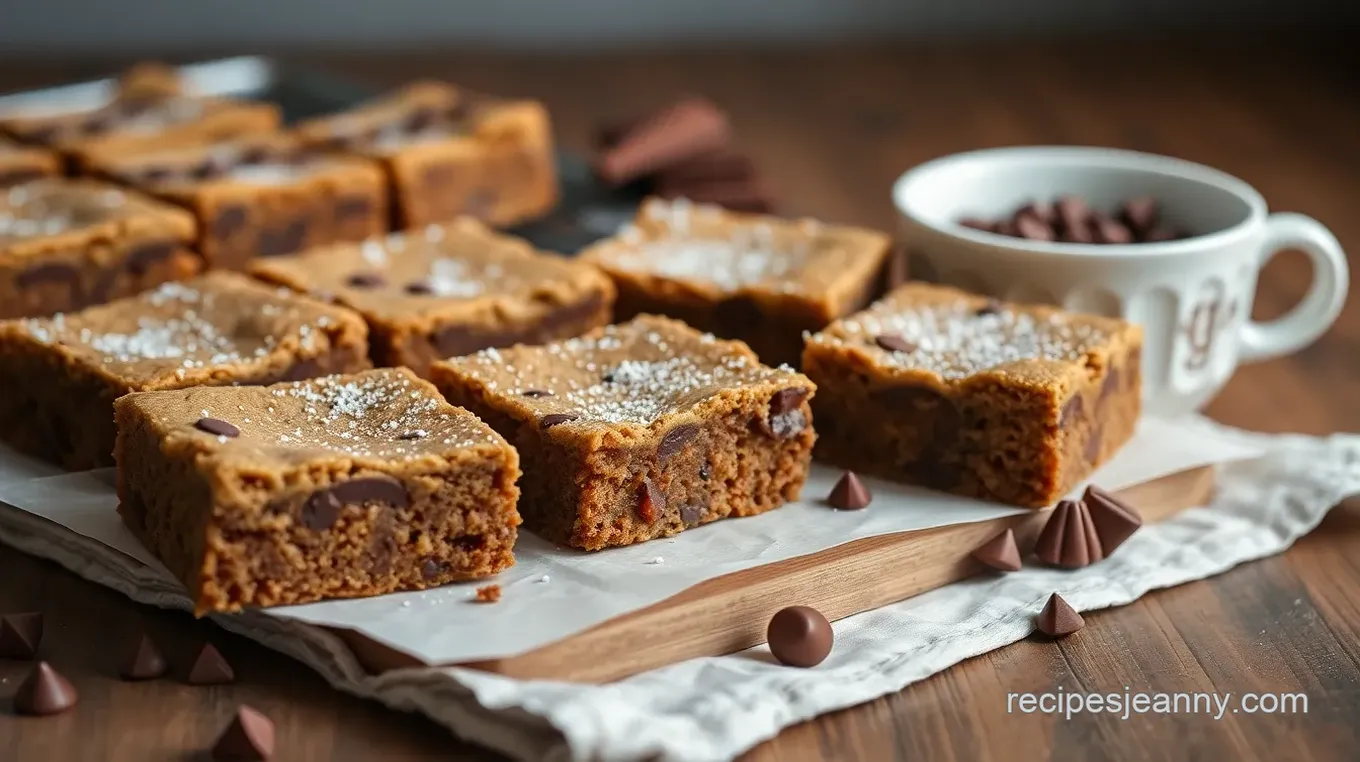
<point x="832" y="129"/>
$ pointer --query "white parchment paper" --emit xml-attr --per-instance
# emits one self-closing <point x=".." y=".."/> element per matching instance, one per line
<point x="563" y="591"/>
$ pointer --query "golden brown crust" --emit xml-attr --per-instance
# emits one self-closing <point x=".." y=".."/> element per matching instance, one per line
<point x="21" y="163"/>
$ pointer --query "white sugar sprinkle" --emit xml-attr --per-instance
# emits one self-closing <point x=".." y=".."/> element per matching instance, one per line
<point x="544" y="579"/>
<point x="656" y="561"/>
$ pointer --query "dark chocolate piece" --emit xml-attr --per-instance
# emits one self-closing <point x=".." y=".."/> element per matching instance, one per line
<point x="144" y="662"/>
<point x="552" y="419"/>
<point x="45" y="691"/>
<point x="229" y="221"/>
<point x="849" y="494"/>
<point x="218" y="427"/>
<point x="536" y="393"/>
<point x="1069" y="538"/>
<point x="407" y="436"/>
<point x="367" y="280"/>
<point x="894" y="343"/>
<point x="1058" y="619"/>
<point x="1115" y="520"/>
<point x="799" y="636"/>
<point x="20" y="635"/>
<point x="248" y="738"/>
<point x="675" y="440"/>
<point x="1000" y="553"/>
<point x="284" y="240"/>
<point x="210" y="668"/>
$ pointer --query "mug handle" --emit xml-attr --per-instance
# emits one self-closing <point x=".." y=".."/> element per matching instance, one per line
<point x="1312" y="317"/>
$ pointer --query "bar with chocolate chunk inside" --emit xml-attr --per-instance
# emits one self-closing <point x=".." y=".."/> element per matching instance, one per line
<point x="450" y="290"/>
<point x="68" y="244"/>
<point x="260" y="195"/>
<point x="640" y="430"/>
<point x="949" y="390"/>
<point x="339" y="487"/>
<point x="61" y="374"/>
<point x="760" y="279"/>
<point x="20" y="163"/>
<point x="449" y="151"/>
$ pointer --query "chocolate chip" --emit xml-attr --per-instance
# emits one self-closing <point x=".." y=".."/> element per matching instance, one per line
<point x="799" y="636"/>
<point x="787" y="400"/>
<point x="607" y="378"/>
<point x="1058" y="619"/>
<point x="470" y="542"/>
<point x="285" y="240"/>
<point x="1071" y="410"/>
<point x="1000" y="553"/>
<point x="786" y="416"/>
<point x="141" y="258"/>
<point x="210" y="668"/>
<point x="421" y="118"/>
<point x="1077" y="233"/>
<point x="431" y="568"/>
<point x="1139" y="214"/>
<point x="45" y="691"/>
<point x="1032" y="228"/>
<point x="849" y="493"/>
<point x="651" y="502"/>
<point x="144" y="661"/>
<point x="977" y="224"/>
<point x="321" y="510"/>
<point x="207" y="170"/>
<point x="256" y="155"/>
<point x="691" y="514"/>
<point x="366" y="280"/>
<point x="1107" y="230"/>
<point x="1039" y="211"/>
<point x="1158" y="235"/>
<point x="552" y="419"/>
<point x="50" y="273"/>
<point x="229" y="221"/>
<point x="408" y="436"/>
<point x="894" y="343"/>
<point x="1072" y="213"/>
<point x="250" y="736"/>
<point x="675" y="440"/>
<point x="352" y="208"/>
<point x="420" y="288"/>
<point x="1068" y="539"/>
<point x="217" y="427"/>
<point x="1115" y="520"/>
<point x="992" y="307"/>
<point x="377" y="489"/>
<point x="536" y="393"/>
<point x="20" y="635"/>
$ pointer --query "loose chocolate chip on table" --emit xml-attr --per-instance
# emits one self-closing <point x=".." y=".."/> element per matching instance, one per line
<point x="1032" y="228"/>
<point x="1115" y="520"/>
<point x="1000" y="553"/>
<point x="1058" y="619"/>
<point x="20" y="635"/>
<point x="799" y="636"/>
<point x="675" y="440"/>
<point x="1068" y="540"/>
<point x="894" y="343"/>
<point x="536" y="393"/>
<point x="419" y="287"/>
<point x="248" y="738"/>
<point x="210" y="668"/>
<point x="849" y="493"/>
<point x="229" y="221"/>
<point x="366" y="280"/>
<point x="45" y="691"/>
<point x="552" y="419"/>
<point x="217" y="427"/>
<point x="651" y="502"/>
<point x="144" y="661"/>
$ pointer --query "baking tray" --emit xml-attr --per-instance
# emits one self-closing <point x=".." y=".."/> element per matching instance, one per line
<point x="587" y="212"/>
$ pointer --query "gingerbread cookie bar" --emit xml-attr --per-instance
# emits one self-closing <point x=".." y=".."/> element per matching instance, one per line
<point x="67" y="244"/>
<point x="260" y="195"/>
<point x="340" y="487"/>
<point x="742" y="276"/>
<point x="450" y="290"/>
<point x="450" y="152"/>
<point x="945" y="389"/>
<point x="640" y="430"/>
<point x="20" y="163"/>
<point x="62" y="374"/>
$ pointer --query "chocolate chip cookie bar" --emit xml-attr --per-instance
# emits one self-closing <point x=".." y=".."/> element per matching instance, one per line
<point x="260" y="195"/>
<point x="640" y="430"/>
<point x="450" y="290"/>
<point x="20" y="163"/>
<point x="941" y="388"/>
<point x="67" y="244"/>
<point x="449" y="151"/>
<point x="742" y="276"/>
<point x="341" y="487"/>
<point x="61" y="374"/>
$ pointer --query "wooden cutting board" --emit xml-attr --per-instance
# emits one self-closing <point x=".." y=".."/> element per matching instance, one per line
<point x="730" y="613"/>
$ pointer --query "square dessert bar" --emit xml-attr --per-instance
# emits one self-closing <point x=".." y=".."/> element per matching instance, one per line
<point x="945" y="389"/>
<point x="67" y="244"/>
<point x="20" y="163"/>
<point x="450" y="290"/>
<point x="260" y="195"/>
<point x="449" y="151"/>
<point x="742" y="276"/>
<point x="62" y="374"/>
<point x="640" y="430"/>
<point x="340" y="487"/>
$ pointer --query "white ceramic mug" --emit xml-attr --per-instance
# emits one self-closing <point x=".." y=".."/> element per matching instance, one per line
<point x="1192" y="296"/>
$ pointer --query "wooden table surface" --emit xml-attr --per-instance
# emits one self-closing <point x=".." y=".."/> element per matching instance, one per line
<point x="832" y="129"/>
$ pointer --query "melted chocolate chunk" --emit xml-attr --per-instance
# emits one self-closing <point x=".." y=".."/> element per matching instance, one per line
<point x="217" y="427"/>
<point x="229" y="221"/>
<point x="786" y="416"/>
<point x="651" y="502"/>
<point x="322" y="508"/>
<point x="675" y="440"/>
<point x="552" y="419"/>
<point x="285" y="240"/>
<point x="786" y="400"/>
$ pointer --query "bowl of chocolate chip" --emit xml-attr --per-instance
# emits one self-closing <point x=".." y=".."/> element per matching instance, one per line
<point x="1171" y="245"/>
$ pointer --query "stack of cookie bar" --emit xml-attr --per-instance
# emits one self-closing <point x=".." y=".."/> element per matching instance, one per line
<point x="303" y="405"/>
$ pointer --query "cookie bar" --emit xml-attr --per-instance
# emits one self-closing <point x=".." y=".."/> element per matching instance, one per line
<point x="341" y="487"/>
<point x="640" y="430"/>
<point x="741" y="276"/>
<point x="67" y="244"/>
<point x="449" y="152"/>
<point x="945" y="389"/>
<point x="62" y="374"/>
<point x="20" y="163"/>
<point x="450" y="290"/>
<point x="141" y="114"/>
<point x="260" y="195"/>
